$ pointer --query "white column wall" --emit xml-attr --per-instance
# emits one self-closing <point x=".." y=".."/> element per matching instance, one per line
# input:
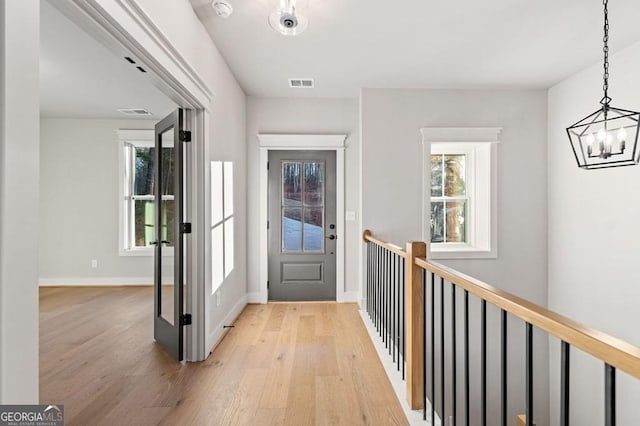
<point x="19" y="188"/>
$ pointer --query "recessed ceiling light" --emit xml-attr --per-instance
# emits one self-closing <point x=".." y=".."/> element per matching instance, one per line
<point x="222" y="8"/>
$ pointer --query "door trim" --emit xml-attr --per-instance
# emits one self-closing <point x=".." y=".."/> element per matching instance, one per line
<point x="307" y="142"/>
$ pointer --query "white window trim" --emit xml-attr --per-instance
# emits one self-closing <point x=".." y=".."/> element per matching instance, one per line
<point x="481" y="145"/>
<point x="139" y="138"/>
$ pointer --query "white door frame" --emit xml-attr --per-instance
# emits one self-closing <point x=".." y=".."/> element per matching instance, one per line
<point x="124" y="27"/>
<point x="292" y="142"/>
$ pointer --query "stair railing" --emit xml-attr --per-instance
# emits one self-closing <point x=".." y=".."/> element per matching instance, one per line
<point x="401" y="302"/>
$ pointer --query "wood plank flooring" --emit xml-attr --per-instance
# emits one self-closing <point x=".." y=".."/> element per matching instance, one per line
<point x="283" y="363"/>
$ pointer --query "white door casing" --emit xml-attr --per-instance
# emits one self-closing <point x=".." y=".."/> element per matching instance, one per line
<point x="300" y="142"/>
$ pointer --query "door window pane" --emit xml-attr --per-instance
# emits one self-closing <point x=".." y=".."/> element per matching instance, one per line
<point x="291" y="229"/>
<point x="313" y="228"/>
<point x="168" y="222"/>
<point x="291" y="183"/>
<point x="167" y="162"/>
<point x="313" y="183"/>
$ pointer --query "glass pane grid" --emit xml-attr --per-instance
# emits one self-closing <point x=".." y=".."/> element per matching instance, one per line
<point x="302" y="204"/>
<point x="449" y="201"/>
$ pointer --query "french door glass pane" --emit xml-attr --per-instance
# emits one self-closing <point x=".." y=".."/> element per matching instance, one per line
<point x="291" y="229"/>
<point x="291" y="183"/>
<point x="313" y="183"/>
<point x="167" y="222"/>
<point x="454" y="173"/>
<point x="313" y="228"/>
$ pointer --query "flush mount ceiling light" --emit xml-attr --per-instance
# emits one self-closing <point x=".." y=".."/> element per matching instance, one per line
<point x="609" y="136"/>
<point x="286" y="21"/>
<point x="222" y="8"/>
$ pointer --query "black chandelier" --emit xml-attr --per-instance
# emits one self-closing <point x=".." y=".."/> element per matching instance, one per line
<point x="609" y="136"/>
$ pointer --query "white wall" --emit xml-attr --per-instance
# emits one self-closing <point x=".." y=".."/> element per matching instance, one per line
<point x="594" y="240"/>
<point x="19" y="121"/>
<point x="79" y="193"/>
<point x="392" y="205"/>
<point x="272" y="115"/>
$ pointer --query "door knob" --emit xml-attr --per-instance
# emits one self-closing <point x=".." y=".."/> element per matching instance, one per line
<point x="331" y="237"/>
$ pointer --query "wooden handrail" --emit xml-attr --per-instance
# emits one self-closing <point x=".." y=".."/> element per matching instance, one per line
<point x="366" y="236"/>
<point x="609" y="349"/>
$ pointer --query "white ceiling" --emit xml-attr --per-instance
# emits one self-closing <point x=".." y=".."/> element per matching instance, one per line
<point x="351" y="44"/>
<point x="79" y="77"/>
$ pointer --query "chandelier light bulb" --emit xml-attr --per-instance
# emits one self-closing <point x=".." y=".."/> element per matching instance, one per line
<point x="622" y="134"/>
<point x="591" y="139"/>
<point x="602" y="135"/>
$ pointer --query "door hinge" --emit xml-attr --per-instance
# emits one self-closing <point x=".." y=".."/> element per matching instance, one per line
<point x="267" y="284"/>
<point x="267" y="165"/>
<point x="185" y="227"/>
<point x="267" y="224"/>
<point x="185" y="319"/>
<point x="185" y="136"/>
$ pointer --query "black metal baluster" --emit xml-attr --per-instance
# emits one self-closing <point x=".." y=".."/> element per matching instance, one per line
<point x="369" y="295"/>
<point x="529" y="378"/>
<point x="378" y="295"/>
<point x="404" y="307"/>
<point x="503" y="364"/>
<point x="442" y="363"/>
<point x="609" y="395"/>
<point x="433" y="350"/>
<point x="389" y="303"/>
<point x="466" y="358"/>
<point x="564" y="384"/>
<point x="398" y="283"/>
<point x="424" y="345"/>
<point x="385" y="301"/>
<point x="483" y="361"/>
<point x="453" y="357"/>
<point x="393" y="306"/>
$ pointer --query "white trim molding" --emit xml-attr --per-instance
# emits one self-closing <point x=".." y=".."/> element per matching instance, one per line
<point x="302" y="142"/>
<point x="480" y="147"/>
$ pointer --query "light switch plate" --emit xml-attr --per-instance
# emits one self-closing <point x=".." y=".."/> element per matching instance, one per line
<point x="350" y="216"/>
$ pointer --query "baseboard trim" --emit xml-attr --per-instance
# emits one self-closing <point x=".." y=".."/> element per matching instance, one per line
<point x="350" y="297"/>
<point x="95" y="281"/>
<point x="230" y="318"/>
<point x="256" y="297"/>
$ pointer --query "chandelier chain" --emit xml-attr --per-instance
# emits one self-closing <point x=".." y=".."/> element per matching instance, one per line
<point x="605" y="51"/>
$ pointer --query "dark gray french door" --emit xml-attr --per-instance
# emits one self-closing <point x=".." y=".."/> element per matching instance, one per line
<point x="302" y="225"/>
<point x="169" y="280"/>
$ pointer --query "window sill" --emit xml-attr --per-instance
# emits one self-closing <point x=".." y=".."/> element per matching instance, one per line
<point x="144" y="252"/>
<point x="462" y="253"/>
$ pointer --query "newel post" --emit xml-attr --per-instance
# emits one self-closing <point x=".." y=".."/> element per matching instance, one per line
<point x="415" y="324"/>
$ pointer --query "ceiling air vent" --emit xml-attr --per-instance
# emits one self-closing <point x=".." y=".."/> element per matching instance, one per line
<point x="134" y="111"/>
<point x="301" y="83"/>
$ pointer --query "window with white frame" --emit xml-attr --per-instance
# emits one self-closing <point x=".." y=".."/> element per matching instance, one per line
<point x="222" y="226"/>
<point x="459" y="192"/>
<point x="137" y="203"/>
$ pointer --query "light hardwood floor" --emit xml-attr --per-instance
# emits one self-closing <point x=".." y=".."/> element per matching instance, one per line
<point x="283" y="363"/>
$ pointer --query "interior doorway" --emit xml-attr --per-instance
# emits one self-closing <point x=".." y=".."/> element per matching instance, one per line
<point x="95" y="88"/>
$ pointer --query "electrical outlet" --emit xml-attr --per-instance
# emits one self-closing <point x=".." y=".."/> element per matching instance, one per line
<point x="218" y="299"/>
<point x="94" y="263"/>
